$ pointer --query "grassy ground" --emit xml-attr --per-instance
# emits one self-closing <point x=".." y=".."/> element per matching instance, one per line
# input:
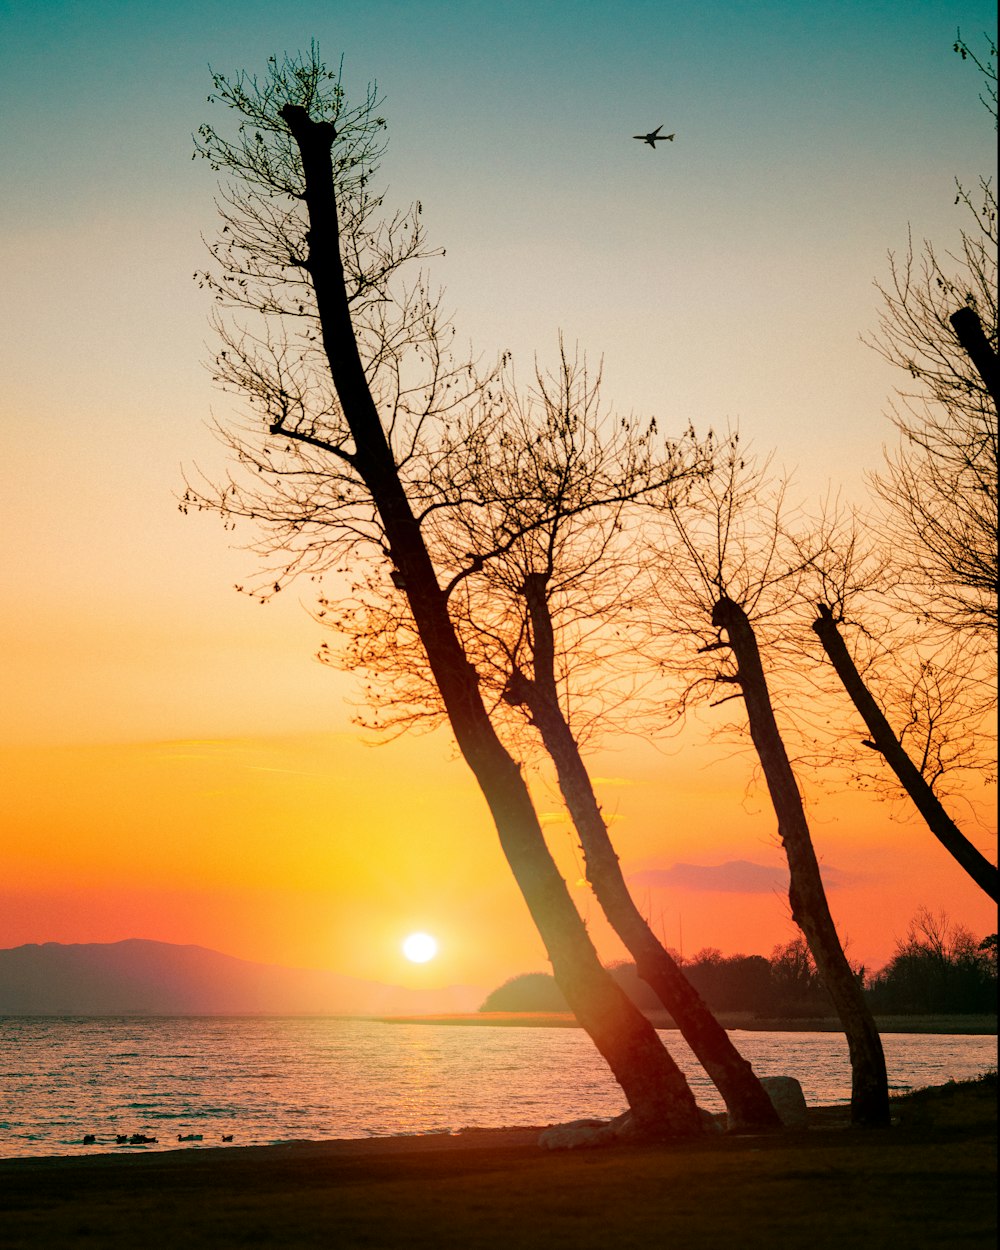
<point x="927" y="1182"/>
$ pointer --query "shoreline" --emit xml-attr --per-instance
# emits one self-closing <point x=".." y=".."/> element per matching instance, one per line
<point x="519" y="1137"/>
<point x="821" y="1188"/>
<point x="970" y="1026"/>
<point x="474" y="1137"/>
<point x="299" y="1150"/>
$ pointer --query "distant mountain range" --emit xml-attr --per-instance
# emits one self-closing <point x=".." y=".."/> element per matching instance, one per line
<point x="138" y="977"/>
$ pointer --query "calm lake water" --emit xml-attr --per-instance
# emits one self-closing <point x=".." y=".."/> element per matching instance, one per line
<point x="269" y="1080"/>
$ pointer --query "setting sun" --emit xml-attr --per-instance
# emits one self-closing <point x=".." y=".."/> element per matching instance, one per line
<point x="419" y="948"/>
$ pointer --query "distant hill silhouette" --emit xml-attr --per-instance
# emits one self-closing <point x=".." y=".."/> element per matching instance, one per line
<point x="138" y="977"/>
<point x="531" y="991"/>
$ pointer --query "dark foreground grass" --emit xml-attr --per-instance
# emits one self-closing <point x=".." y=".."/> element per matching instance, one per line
<point x="927" y="1182"/>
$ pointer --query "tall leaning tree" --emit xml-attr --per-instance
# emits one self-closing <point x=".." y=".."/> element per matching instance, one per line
<point x="348" y="379"/>
<point x="730" y="580"/>
<point x="922" y="704"/>
<point x="557" y="574"/>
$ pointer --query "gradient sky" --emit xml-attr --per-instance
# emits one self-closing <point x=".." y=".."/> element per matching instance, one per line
<point x="179" y="767"/>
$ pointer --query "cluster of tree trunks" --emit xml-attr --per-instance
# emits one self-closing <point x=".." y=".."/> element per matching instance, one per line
<point x="659" y="1097"/>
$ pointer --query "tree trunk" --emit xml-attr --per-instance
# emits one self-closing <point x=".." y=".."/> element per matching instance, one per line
<point x="891" y="749"/>
<point x="748" y="1103"/>
<point x="810" y="910"/>
<point x="969" y="332"/>
<point x="658" y="1095"/>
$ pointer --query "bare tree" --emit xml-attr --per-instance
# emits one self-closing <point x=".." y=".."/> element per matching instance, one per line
<point x="936" y="563"/>
<point x="537" y="479"/>
<point x="738" y="575"/>
<point x="343" y="364"/>
<point x="892" y="671"/>
<point x="557" y="575"/>
<point x="939" y="323"/>
<point x="911" y="776"/>
<point x="810" y="909"/>
<point x="537" y="692"/>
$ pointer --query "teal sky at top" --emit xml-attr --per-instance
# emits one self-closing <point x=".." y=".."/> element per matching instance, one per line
<point x="475" y="90"/>
<point x="806" y="132"/>
<point x="724" y="277"/>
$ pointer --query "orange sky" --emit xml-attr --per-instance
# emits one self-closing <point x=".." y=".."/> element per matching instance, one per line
<point x="317" y="850"/>
<point x="176" y="764"/>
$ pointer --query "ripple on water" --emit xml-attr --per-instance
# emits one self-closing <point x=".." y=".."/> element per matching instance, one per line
<point x="267" y="1080"/>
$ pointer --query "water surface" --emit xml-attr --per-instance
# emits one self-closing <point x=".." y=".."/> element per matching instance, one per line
<point x="266" y="1080"/>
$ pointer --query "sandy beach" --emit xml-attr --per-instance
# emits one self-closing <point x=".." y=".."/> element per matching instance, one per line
<point x="927" y="1182"/>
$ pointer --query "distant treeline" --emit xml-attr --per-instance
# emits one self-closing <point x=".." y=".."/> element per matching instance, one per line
<point x="938" y="970"/>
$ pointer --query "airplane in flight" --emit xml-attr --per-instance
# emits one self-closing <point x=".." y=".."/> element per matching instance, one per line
<point x="653" y="136"/>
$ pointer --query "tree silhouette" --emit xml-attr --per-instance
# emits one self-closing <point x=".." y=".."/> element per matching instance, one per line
<point x="557" y="570"/>
<point x="893" y="667"/>
<point x="939" y="323"/>
<point x="346" y="368"/>
<point x="937" y="967"/>
<point x="887" y="744"/>
<point x="733" y="571"/>
<point x="546" y="486"/>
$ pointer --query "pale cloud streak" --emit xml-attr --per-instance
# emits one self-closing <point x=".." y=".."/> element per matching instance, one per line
<point x="735" y="876"/>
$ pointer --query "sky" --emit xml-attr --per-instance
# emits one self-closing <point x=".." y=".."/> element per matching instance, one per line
<point x="178" y="765"/>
